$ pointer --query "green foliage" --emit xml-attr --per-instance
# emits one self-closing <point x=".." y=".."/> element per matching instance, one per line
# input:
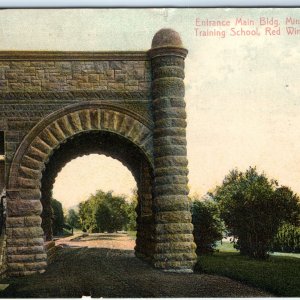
<point x="131" y="212"/>
<point x="287" y="239"/>
<point x="73" y="219"/>
<point x="57" y="217"/>
<point x="104" y="212"/>
<point x="254" y="208"/>
<point x="208" y="227"/>
<point x="278" y="275"/>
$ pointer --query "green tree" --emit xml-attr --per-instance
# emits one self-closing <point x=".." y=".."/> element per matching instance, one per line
<point x="73" y="218"/>
<point x="87" y="215"/>
<point x="103" y="212"/>
<point x="111" y="214"/>
<point x="253" y="208"/>
<point x="57" y="217"/>
<point x="208" y="226"/>
<point x="131" y="211"/>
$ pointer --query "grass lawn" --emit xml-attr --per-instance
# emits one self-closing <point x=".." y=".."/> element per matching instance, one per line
<point x="278" y="275"/>
<point x="226" y="247"/>
<point x="131" y="234"/>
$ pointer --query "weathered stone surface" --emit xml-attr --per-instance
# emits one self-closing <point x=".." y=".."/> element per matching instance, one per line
<point x="162" y="171"/>
<point x="168" y="71"/>
<point x="26" y="250"/>
<point x="29" y="183"/>
<point x="23" y="273"/>
<point x="174" y="238"/>
<point x="32" y="163"/>
<point x="168" y="86"/>
<point x="176" y="247"/>
<point x="172" y="113"/>
<point x="171" y="189"/>
<point x="168" y="102"/>
<point x="171" y="179"/>
<point x="159" y="61"/>
<point x="171" y="202"/>
<point x="173" y="217"/>
<point x="166" y="37"/>
<point x="22" y="242"/>
<point x="70" y="75"/>
<point x="32" y="221"/>
<point x="171" y="123"/>
<point x="170" y="161"/>
<point x="24" y="232"/>
<point x="168" y="132"/>
<point x="24" y="208"/>
<point x="177" y="150"/>
<point x="172" y="214"/>
<point x="29" y="173"/>
<point x="23" y="267"/>
<point x="51" y="101"/>
<point x="174" y="228"/>
<point x="189" y="256"/>
<point x="177" y="265"/>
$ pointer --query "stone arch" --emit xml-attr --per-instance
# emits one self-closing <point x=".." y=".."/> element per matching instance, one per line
<point x="48" y="134"/>
<point x="117" y="147"/>
<point x="31" y="160"/>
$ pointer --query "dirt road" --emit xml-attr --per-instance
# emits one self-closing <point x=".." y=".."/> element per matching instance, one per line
<point x="105" y="266"/>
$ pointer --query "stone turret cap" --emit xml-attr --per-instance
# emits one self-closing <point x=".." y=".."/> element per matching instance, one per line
<point x="166" y="37"/>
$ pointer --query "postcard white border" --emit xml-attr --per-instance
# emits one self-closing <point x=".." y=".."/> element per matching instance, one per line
<point x="147" y="3"/>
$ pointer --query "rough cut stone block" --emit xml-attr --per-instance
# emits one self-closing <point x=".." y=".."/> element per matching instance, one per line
<point x="24" y="242"/>
<point x="180" y="228"/>
<point x="26" y="250"/>
<point x="25" y="232"/>
<point x="173" y="217"/>
<point x="24" y="208"/>
<point x="14" y="222"/>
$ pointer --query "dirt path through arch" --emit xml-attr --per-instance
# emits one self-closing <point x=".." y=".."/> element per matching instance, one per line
<point x="104" y="265"/>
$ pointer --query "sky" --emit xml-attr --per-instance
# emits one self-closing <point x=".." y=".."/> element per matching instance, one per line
<point x="242" y="92"/>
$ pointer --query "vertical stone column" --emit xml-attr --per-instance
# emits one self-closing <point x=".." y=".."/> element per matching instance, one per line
<point x="174" y="243"/>
<point x="144" y="240"/>
<point x="25" y="243"/>
<point x="47" y="214"/>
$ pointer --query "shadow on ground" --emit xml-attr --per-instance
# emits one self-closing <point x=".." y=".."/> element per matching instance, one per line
<point x="100" y="272"/>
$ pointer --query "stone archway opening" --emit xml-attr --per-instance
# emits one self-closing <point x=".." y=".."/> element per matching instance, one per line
<point x="76" y="131"/>
<point x="84" y="176"/>
<point x="116" y="147"/>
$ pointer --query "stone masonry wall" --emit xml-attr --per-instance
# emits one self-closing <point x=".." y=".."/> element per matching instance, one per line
<point x="32" y="87"/>
<point x="36" y="76"/>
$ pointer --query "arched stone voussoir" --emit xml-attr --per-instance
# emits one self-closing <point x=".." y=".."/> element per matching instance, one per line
<point x="37" y="147"/>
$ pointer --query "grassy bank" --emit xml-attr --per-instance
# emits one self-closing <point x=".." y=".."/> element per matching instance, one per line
<point x="278" y="275"/>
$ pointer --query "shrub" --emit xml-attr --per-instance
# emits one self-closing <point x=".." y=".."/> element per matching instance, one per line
<point x="287" y="239"/>
<point x="253" y="208"/>
<point x="57" y="217"/>
<point x="208" y="227"/>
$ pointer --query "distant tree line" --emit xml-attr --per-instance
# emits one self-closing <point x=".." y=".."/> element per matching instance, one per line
<point x="104" y="212"/>
<point x="260" y="215"/>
